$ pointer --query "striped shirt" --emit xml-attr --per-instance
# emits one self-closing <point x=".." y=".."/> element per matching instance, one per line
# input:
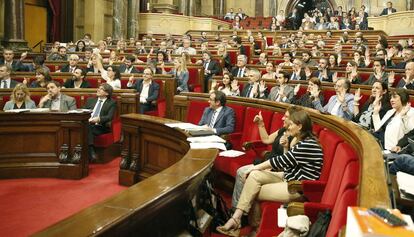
<point x="302" y="162"/>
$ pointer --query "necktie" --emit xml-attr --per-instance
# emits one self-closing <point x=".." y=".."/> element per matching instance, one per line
<point x="213" y="119"/>
<point x="239" y="74"/>
<point x="249" y="90"/>
<point x="4" y="85"/>
<point x="98" y="109"/>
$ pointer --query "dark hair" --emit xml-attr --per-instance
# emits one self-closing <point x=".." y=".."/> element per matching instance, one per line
<point x="108" y="89"/>
<point x="238" y="40"/>
<point x="77" y="46"/>
<point x="293" y="109"/>
<point x="164" y="56"/>
<point x="57" y="84"/>
<point x="301" y="117"/>
<point x="208" y="53"/>
<point x="316" y="81"/>
<point x="83" y="72"/>
<point x="398" y="46"/>
<point x="285" y="75"/>
<point x="61" y="47"/>
<point x="116" y="71"/>
<point x="89" y="49"/>
<point x="307" y="52"/>
<point x="347" y="84"/>
<point x="403" y="93"/>
<point x="220" y="96"/>
<point x="45" y="73"/>
<point x="130" y="58"/>
<point x="39" y="60"/>
<point x="386" y="97"/>
<point x="380" y="60"/>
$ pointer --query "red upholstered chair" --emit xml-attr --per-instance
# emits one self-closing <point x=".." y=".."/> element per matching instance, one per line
<point x="106" y="144"/>
<point x="160" y="111"/>
<point x="348" y="198"/>
<point x="195" y="111"/>
<point x="195" y="78"/>
<point x="250" y="132"/>
<point x="327" y="94"/>
<point x="239" y="111"/>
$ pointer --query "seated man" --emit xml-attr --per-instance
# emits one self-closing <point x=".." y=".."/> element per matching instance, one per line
<point x="72" y="65"/>
<point x="240" y="70"/>
<point x="78" y="79"/>
<point x="5" y="80"/>
<point x="8" y="59"/>
<point x="148" y="91"/>
<point x="379" y="72"/>
<point x="218" y="116"/>
<point x="55" y="100"/>
<point x="254" y="88"/>
<point x="341" y="104"/>
<point x="127" y="66"/>
<point x="406" y="82"/>
<point x="103" y="109"/>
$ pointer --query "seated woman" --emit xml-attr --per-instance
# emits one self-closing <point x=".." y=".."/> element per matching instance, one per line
<point x="270" y="71"/>
<point x="396" y="122"/>
<point x="379" y="94"/>
<point x="42" y="78"/>
<point x="302" y="162"/>
<point x="20" y="99"/>
<point x="314" y="89"/>
<point x="111" y="75"/>
<point x="352" y="73"/>
<point x="222" y="52"/>
<point x="280" y="141"/>
<point x="229" y="87"/>
<point x="180" y="73"/>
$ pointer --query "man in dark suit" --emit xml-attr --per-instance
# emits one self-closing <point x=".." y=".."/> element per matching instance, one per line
<point x="8" y="59"/>
<point x="218" y="116"/>
<point x="103" y="110"/>
<point x="323" y="73"/>
<point x="240" y="70"/>
<point x="254" y="88"/>
<point x="5" y="80"/>
<point x="127" y="66"/>
<point x="406" y="82"/>
<point x="211" y="68"/>
<point x="72" y="65"/>
<point x="388" y="10"/>
<point x="78" y="80"/>
<point x="293" y="19"/>
<point x="148" y="91"/>
<point x="297" y="71"/>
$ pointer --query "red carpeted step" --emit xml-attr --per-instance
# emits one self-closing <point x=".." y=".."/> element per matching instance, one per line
<point x="30" y="205"/>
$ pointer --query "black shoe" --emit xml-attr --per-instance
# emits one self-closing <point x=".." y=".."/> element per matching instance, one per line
<point x="92" y="155"/>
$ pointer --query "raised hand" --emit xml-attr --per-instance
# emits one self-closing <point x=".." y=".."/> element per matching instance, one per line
<point x="391" y="78"/>
<point x="296" y="89"/>
<point x="335" y="77"/>
<point x="213" y="84"/>
<point x="23" y="56"/>
<point x="377" y="106"/>
<point x="357" y="95"/>
<point x="262" y="86"/>
<point x="26" y="80"/>
<point x="308" y="72"/>
<point x="131" y="79"/>
<point x="315" y="92"/>
<point x="405" y="109"/>
<point x="284" y="140"/>
<point x="354" y="74"/>
<point x="258" y="119"/>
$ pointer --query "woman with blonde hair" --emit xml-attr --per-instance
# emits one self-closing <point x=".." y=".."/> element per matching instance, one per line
<point x="20" y="99"/>
<point x="180" y="73"/>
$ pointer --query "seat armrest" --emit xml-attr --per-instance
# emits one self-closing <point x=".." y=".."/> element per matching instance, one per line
<point x="313" y="189"/>
<point x="295" y="208"/>
<point x="295" y="186"/>
<point x="253" y="144"/>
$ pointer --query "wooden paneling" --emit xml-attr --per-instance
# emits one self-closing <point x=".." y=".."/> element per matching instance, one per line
<point x="35" y="24"/>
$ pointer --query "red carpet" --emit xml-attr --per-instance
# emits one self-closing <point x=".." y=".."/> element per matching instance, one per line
<point x="30" y="205"/>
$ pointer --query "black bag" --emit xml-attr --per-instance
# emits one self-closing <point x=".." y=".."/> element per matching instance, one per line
<point x="211" y="202"/>
<point x="319" y="228"/>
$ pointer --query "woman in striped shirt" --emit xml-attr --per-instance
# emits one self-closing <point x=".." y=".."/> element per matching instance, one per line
<point x="302" y="162"/>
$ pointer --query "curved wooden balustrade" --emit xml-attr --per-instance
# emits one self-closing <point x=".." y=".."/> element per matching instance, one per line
<point x="372" y="187"/>
<point x="152" y="207"/>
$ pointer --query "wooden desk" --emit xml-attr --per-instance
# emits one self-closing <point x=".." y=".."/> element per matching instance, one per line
<point x="43" y="145"/>
<point x="154" y="206"/>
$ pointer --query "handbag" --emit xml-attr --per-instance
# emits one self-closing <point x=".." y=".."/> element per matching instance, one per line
<point x="320" y="227"/>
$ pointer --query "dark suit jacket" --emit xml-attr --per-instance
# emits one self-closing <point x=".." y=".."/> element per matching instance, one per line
<point x="65" y="68"/>
<point x="152" y="92"/>
<point x="235" y="71"/>
<point x="329" y="79"/>
<point x="246" y="88"/>
<point x="214" y="68"/>
<point x="225" y="120"/>
<point x="66" y="103"/>
<point x="385" y="11"/>
<point x="107" y="111"/>
<point x="123" y="67"/>
<point x="17" y="65"/>
<point x="302" y="76"/>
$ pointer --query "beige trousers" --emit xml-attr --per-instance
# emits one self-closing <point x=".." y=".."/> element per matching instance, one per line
<point x="263" y="185"/>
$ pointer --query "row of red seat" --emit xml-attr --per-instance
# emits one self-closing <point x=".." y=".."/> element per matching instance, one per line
<point x="334" y="191"/>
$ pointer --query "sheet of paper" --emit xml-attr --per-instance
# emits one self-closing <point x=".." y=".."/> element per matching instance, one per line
<point x="17" y="110"/>
<point x="211" y="138"/>
<point x="40" y="110"/>
<point x="206" y="145"/>
<point x="405" y="182"/>
<point x="183" y="126"/>
<point x="231" y="153"/>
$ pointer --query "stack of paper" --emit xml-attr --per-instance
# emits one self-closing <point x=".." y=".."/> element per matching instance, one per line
<point x="183" y="126"/>
<point x="211" y="138"/>
<point x="405" y="182"/>
<point x="231" y="153"/>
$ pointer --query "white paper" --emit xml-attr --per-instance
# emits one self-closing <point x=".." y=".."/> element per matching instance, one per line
<point x="211" y="138"/>
<point x="183" y="126"/>
<point x="40" y="110"/>
<point x="405" y="182"/>
<point x="281" y="217"/>
<point x="206" y="145"/>
<point x="231" y="153"/>
<point x="78" y="111"/>
<point x="17" y="110"/>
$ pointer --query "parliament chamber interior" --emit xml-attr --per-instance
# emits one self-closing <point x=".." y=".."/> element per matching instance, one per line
<point x="206" y="118"/>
